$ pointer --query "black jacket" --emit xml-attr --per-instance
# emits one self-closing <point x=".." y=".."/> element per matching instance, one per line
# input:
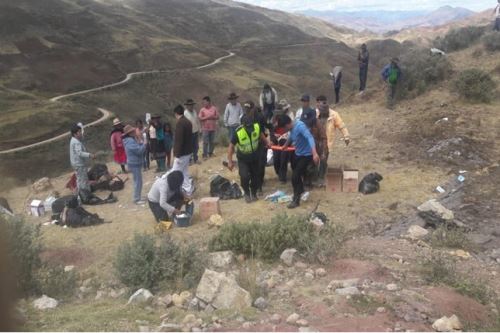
<point x="183" y="137"/>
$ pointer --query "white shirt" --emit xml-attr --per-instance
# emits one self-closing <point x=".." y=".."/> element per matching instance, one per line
<point x="497" y="11"/>
<point x="193" y="118"/>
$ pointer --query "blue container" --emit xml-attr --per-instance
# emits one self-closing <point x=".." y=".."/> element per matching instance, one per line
<point x="184" y="222"/>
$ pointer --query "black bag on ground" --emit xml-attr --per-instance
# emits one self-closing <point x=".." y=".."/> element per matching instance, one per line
<point x="97" y="171"/>
<point x="76" y="216"/>
<point x="89" y="198"/>
<point x="222" y="188"/>
<point x="59" y="204"/>
<point x="370" y="183"/>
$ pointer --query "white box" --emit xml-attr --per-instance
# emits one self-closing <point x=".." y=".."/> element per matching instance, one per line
<point x="36" y="208"/>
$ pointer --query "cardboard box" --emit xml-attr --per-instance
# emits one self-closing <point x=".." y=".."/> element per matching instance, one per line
<point x="209" y="206"/>
<point x="350" y="181"/>
<point x="36" y="208"/>
<point x="334" y="180"/>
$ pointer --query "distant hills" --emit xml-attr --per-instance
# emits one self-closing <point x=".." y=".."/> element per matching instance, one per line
<point x="385" y="21"/>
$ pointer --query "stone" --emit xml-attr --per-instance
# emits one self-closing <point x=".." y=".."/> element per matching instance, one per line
<point x="461" y="254"/>
<point x="309" y="276"/>
<point x="194" y="304"/>
<point x="181" y="300"/>
<point x="292" y="319"/>
<point x="69" y="268"/>
<point x="320" y="272"/>
<point x="166" y="300"/>
<point x="209" y="206"/>
<point x="169" y="327"/>
<point x="348" y="291"/>
<point x="433" y="210"/>
<point x="381" y="309"/>
<point x="246" y="325"/>
<point x="209" y="308"/>
<point x="302" y="322"/>
<point x="445" y="324"/>
<point x="335" y="284"/>
<point x="222" y="291"/>
<point x="140" y="296"/>
<point x="143" y="328"/>
<point x="41" y="185"/>
<point x="300" y="265"/>
<point x="117" y="293"/>
<point x="417" y="232"/>
<point x="392" y="287"/>
<point x="260" y="303"/>
<point x="189" y="319"/>
<point x="288" y="256"/>
<point x="215" y="221"/>
<point x="100" y="294"/>
<point x="276" y="318"/>
<point x="45" y="303"/>
<point x="220" y="260"/>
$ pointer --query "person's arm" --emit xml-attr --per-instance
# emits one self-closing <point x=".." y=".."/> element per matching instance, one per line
<point x="80" y="153"/>
<point x="201" y="115"/>
<point x="163" y="201"/>
<point x="265" y="140"/>
<point x="230" y="153"/>
<point x="339" y="123"/>
<point x="226" y="115"/>
<point x="112" y="142"/>
<point x="136" y="148"/>
<point x="310" y="140"/>
<point x="216" y="116"/>
<point x="261" y="100"/>
<point x="275" y="96"/>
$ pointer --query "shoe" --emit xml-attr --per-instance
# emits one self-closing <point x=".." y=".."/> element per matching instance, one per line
<point x="293" y="204"/>
<point x="248" y="199"/>
<point x="254" y="198"/>
<point x="140" y="202"/>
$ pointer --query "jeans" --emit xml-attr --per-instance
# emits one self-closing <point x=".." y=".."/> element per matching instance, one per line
<point x="249" y="176"/>
<point x="82" y="178"/>
<point x="146" y="162"/>
<point x="182" y="164"/>
<point x="268" y="111"/>
<point x="208" y="143"/>
<point x="281" y="159"/>
<point x="299" y="171"/>
<point x="337" y="95"/>
<point x="196" y="146"/>
<point x="363" y="75"/>
<point x="159" y="213"/>
<point x="136" y="171"/>
<point x="323" y="167"/>
<point x="231" y="131"/>
<point x="497" y="24"/>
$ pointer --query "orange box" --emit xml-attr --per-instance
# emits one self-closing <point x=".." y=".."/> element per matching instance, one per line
<point x="334" y="180"/>
<point x="209" y="206"/>
<point x="350" y="181"/>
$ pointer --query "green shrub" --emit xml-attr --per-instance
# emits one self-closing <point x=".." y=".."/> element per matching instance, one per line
<point x="24" y="247"/>
<point x="491" y="41"/>
<point x="475" y="85"/>
<point x="269" y="240"/>
<point x="450" y="238"/>
<point x="458" y="39"/>
<point x="55" y="282"/>
<point x="142" y="263"/>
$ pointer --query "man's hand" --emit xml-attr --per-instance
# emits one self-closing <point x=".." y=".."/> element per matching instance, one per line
<point x="230" y="165"/>
<point x="92" y="156"/>
<point x="176" y="212"/>
<point x="347" y="141"/>
<point x="316" y="158"/>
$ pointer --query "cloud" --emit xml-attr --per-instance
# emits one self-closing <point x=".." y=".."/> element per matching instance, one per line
<point x="298" y="5"/>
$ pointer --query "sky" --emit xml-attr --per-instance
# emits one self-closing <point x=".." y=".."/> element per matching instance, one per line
<point x="354" y="5"/>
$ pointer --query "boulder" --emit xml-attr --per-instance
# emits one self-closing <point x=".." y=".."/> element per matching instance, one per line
<point x="434" y="212"/>
<point x="69" y="268"/>
<point x="276" y="318"/>
<point x="320" y="272"/>
<point x="416" y="232"/>
<point x="41" y="185"/>
<point x="140" y="296"/>
<point x="445" y="324"/>
<point x="166" y="300"/>
<point x="260" y="303"/>
<point x="222" y="291"/>
<point x="45" y="303"/>
<point x="392" y="287"/>
<point x="347" y="291"/>
<point x="220" y="260"/>
<point x="288" y="256"/>
<point x="302" y="322"/>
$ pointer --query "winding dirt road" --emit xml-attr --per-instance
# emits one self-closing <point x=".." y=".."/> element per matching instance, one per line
<point x="105" y="113"/>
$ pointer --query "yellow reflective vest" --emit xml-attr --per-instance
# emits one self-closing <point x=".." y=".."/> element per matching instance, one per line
<point x="248" y="144"/>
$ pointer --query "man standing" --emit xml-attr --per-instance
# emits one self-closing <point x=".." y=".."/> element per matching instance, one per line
<point x="192" y="116"/>
<point x="391" y="75"/>
<point x="331" y="121"/>
<point x="306" y="106"/>
<point x="305" y="152"/>
<point x="320" y="139"/>
<point x="268" y="99"/>
<point x="497" y="17"/>
<point x="363" y="60"/>
<point x="183" y="148"/>
<point x="336" y="75"/>
<point x="248" y="140"/>
<point x="208" y="116"/>
<point x="232" y="115"/>
<point x="79" y="158"/>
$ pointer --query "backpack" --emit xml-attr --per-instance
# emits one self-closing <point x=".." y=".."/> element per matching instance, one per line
<point x="97" y="171"/>
<point x="222" y="188"/>
<point x="393" y="75"/>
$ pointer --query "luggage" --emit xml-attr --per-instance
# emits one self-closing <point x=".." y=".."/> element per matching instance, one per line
<point x="222" y="188"/>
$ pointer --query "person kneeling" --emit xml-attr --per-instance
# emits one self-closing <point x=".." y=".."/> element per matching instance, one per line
<point x="166" y="197"/>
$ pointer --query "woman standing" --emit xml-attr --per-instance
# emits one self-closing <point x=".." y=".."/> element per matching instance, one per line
<point x="141" y="132"/>
<point x="135" y="149"/>
<point x="116" y="141"/>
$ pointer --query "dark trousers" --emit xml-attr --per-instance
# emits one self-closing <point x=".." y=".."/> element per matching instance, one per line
<point x="363" y="75"/>
<point x="299" y="171"/>
<point x="159" y="213"/>
<point x="262" y="165"/>
<point x="497" y="24"/>
<point x="268" y="111"/>
<point x="146" y="162"/>
<point x="337" y="95"/>
<point x="281" y="160"/>
<point x="323" y="167"/>
<point x="196" y="146"/>
<point x="208" y="143"/>
<point x="249" y="175"/>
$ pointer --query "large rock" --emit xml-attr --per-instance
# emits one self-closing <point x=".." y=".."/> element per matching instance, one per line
<point x="222" y="291"/>
<point x="140" y="296"/>
<point x="45" y="303"/>
<point x="41" y="185"/>
<point x="288" y="256"/>
<point x="416" y="232"/>
<point x="181" y="300"/>
<point x="220" y="260"/>
<point x="434" y="212"/>
<point x="445" y="324"/>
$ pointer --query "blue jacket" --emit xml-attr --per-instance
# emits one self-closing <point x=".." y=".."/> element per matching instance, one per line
<point x="135" y="151"/>
<point x="302" y="139"/>
<point x="387" y="70"/>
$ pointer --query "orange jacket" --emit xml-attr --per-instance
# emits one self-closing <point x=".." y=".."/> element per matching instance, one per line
<point x="334" y="122"/>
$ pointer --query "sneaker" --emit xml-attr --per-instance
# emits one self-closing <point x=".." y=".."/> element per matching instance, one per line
<point x="293" y="204"/>
<point x="140" y="202"/>
<point x="254" y="198"/>
<point x="248" y="199"/>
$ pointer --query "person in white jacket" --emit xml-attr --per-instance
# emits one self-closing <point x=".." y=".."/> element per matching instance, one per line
<point x="79" y="158"/>
<point x="497" y="17"/>
<point x="232" y="115"/>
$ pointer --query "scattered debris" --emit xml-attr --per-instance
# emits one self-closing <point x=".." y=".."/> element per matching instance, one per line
<point x="392" y="287"/>
<point x="41" y="185"/>
<point x="440" y="189"/>
<point x="69" y="268"/>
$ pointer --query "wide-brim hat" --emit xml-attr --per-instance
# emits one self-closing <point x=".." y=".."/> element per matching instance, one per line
<point x="155" y="116"/>
<point x="232" y="96"/>
<point x="190" y="102"/>
<point x="284" y="105"/>
<point x="395" y="59"/>
<point x="128" y="129"/>
<point x="116" y="122"/>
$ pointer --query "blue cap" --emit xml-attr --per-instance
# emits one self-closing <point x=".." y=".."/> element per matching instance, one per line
<point x="305" y="98"/>
<point x="308" y="116"/>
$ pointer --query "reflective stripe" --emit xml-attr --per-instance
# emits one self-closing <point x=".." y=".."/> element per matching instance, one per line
<point x="248" y="144"/>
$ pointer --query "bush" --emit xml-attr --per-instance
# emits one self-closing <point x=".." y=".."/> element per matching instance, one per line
<point x="475" y="85"/>
<point x="450" y="238"/>
<point x="458" y="39"/>
<point x="491" y="41"/>
<point x="269" y="240"/>
<point x="55" y="282"/>
<point x="24" y="247"/>
<point x="142" y="263"/>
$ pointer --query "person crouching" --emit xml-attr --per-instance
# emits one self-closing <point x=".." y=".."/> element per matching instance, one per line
<point x="166" y="197"/>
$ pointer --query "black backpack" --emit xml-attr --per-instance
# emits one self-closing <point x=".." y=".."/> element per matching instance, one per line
<point x="222" y="188"/>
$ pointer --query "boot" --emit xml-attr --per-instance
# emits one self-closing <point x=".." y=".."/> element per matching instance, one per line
<point x="248" y="198"/>
<point x="295" y="203"/>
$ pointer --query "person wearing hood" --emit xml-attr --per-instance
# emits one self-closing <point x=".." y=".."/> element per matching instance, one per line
<point x="166" y="198"/>
<point x="247" y="142"/>
<point x="267" y="100"/>
<point x="336" y="75"/>
<point x="332" y="122"/>
<point x="363" y="60"/>
<point x="116" y="142"/>
<point x="135" y="148"/>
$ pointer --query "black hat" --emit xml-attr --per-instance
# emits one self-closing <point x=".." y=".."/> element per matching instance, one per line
<point x="305" y="98"/>
<point x="155" y="116"/>
<point x="190" y="102"/>
<point x="74" y="129"/>
<point x="232" y="96"/>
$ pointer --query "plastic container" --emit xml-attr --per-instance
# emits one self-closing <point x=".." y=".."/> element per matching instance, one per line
<point x="183" y="220"/>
